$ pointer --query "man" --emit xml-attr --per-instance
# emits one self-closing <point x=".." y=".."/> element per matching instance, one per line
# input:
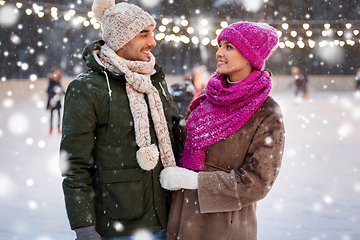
<point x="117" y="126"/>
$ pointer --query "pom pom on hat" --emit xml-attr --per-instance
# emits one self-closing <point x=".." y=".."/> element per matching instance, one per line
<point x="120" y="23"/>
<point x="100" y="6"/>
<point x="255" y="41"/>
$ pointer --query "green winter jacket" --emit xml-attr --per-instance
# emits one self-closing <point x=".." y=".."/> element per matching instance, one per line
<point x="103" y="183"/>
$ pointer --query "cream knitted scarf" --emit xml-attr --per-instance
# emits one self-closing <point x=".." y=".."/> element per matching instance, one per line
<point x="138" y="83"/>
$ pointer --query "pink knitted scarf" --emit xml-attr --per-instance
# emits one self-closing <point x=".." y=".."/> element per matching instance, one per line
<point x="220" y="112"/>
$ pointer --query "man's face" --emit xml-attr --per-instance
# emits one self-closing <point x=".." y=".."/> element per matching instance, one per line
<point x="138" y="49"/>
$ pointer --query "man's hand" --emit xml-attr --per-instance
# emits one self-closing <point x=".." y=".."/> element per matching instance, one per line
<point x="87" y="233"/>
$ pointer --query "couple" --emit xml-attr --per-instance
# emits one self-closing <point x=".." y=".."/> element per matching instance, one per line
<point x="122" y="137"/>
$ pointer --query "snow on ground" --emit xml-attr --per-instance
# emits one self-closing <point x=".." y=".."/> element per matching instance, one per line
<point x="316" y="196"/>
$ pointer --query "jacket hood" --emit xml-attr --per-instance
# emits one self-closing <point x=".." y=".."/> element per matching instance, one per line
<point x="91" y="59"/>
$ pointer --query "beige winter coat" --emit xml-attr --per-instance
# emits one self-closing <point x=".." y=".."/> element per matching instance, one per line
<point x="239" y="171"/>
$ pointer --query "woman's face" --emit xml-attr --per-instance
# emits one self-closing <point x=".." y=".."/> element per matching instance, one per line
<point x="231" y="62"/>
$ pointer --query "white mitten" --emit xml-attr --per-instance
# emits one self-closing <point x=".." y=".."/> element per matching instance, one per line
<point x="174" y="178"/>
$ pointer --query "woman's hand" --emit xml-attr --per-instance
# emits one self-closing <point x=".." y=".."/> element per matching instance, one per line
<point x="174" y="178"/>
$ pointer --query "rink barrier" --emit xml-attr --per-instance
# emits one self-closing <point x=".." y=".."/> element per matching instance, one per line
<point x="21" y="91"/>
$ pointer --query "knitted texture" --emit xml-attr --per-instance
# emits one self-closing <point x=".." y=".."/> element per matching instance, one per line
<point x="220" y="112"/>
<point x="255" y="41"/>
<point x="121" y="22"/>
<point x="174" y="178"/>
<point x="138" y="83"/>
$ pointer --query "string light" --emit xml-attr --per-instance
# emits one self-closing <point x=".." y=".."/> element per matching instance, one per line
<point x="67" y="17"/>
<point x="312" y="43"/>
<point x="72" y="12"/>
<point x="96" y="25"/>
<point x="159" y="36"/>
<point x="176" y="39"/>
<point x="301" y="44"/>
<point x="28" y="11"/>
<point x="162" y="28"/>
<point x="204" y="22"/>
<point x="190" y="30"/>
<point x="285" y="26"/>
<point x="203" y="31"/>
<point x="323" y="43"/>
<point x="195" y="40"/>
<point x="36" y="8"/>
<point x="86" y="23"/>
<point x="93" y="21"/>
<point x="224" y="24"/>
<point x="293" y="33"/>
<point x="185" y="39"/>
<point x="184" y="22"/>
<point x="165" y="21"/>
<point x="176" y="29"/>
<point x="214" y="42"/>
<point x="205" y="41"/>
<point x="54" y="12"/>
<point x="91" y="14"/>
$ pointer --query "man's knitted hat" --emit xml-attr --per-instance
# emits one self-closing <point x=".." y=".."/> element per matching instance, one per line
<point x="255" y="41"/>
<point x="121" y="22"/>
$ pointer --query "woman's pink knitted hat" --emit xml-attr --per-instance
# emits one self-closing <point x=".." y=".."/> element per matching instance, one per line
<point x="255" y="41"/>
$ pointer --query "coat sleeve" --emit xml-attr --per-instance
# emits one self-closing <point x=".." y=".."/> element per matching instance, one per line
<point x="221" y="191"/>
<point x="76" y="160"/>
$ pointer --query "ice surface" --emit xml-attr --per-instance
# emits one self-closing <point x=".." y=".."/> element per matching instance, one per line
<point x="316" y="196"/>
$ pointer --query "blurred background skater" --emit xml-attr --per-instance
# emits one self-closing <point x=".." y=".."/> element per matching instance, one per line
<point x="201" y="77"/>
<point x="183" y="93"/>
<point x="54" y="92"/>
<point x="300" y="83"/>
<point x="357" y="79"/>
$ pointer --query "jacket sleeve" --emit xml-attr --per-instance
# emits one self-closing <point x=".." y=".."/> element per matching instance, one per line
<point x="221" y="191"/>
<point x="76" y="160"/>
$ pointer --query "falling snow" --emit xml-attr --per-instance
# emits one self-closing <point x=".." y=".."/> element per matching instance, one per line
<point x="316" y="194"/>
<point x="314" y="197"/>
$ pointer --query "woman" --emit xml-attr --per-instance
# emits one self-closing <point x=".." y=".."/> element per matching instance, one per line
<point x="235" y="142"/>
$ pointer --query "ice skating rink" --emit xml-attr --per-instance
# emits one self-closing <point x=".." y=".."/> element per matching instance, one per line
<point x="316" y="196"/>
